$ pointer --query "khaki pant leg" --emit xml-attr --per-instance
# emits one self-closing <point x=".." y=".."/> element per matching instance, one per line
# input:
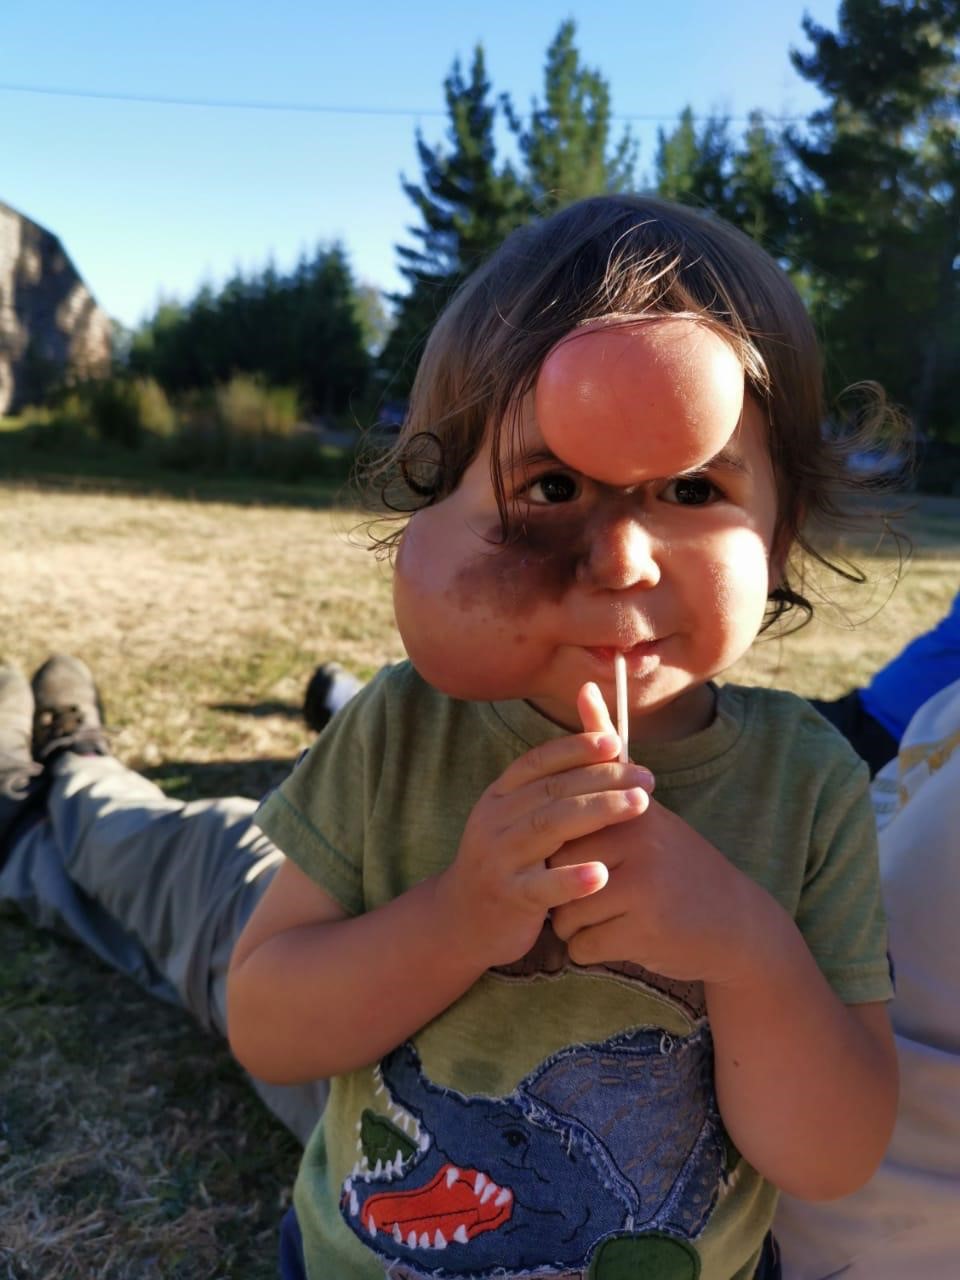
<point x="157" y="889"/>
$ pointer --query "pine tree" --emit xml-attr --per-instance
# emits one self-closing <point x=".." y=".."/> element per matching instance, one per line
<point x="746" y="182"/>
<point x="692" y="165"/>
<point x="566" y="147"/>
<point x="302" y="330"/>
<point x="879" y="201"/>
<point x="759" y="190"/>
<point x="467" y="203"/>
<point x="469" y="200"/>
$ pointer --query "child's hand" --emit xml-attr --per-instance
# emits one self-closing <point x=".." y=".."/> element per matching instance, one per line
<point x="496" y="894"/>
<point x="672" y="902"/>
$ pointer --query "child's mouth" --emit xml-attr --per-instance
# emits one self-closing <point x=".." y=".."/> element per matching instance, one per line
<point x="607" y="652"/>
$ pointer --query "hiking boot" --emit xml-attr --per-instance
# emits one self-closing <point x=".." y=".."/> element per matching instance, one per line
<point x="69" y="714"/>
<point x="17" y="767"/>
<point x="330" y="688"/>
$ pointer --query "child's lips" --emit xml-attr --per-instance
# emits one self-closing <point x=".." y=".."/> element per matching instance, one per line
<point x="634" y="652"/>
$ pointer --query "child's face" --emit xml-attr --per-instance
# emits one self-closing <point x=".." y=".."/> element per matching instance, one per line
<point x="646" y="524"/>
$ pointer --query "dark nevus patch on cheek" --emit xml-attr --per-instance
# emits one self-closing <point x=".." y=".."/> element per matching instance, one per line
<point x="536" y="562"/>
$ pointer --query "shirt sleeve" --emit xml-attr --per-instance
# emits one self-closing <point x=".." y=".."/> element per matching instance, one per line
<point x="841" y="912"/>
<point x="317" y="815"/>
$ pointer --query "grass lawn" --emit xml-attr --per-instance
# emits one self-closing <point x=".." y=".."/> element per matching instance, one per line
<point x="130" y="1145"/>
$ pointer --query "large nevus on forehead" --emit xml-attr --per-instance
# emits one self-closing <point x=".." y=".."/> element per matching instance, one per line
<point x="535" y="562"/>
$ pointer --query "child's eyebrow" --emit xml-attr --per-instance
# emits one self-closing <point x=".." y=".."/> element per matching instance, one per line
<point x="729" y="458"/>
<point x="536" y="455"/>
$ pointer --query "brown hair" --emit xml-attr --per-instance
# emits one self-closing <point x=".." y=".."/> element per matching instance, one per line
<point x="620" y="258"/>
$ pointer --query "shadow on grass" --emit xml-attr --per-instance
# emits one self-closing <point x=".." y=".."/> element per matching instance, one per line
<point x="205" y="780"/>
<point x="259" y="710"/>
<point x="209" y="780"/>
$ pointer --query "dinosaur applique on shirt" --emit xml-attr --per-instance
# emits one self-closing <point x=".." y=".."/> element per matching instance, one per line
<point x="606" y="1156"/>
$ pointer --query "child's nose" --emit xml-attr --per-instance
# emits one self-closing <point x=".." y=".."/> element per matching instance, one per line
<point x="622" y="553"/>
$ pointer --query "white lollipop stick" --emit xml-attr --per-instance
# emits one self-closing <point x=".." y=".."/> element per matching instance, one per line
<point x="623" y="715"/>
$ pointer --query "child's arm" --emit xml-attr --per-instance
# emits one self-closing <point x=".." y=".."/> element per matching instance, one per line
<point x="308" y="986"/>
<point x="312" y="993"/>
<point x="807" y="1085"/>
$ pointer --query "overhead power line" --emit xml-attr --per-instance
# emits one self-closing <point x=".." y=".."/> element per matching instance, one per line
<point x="220" y="104"/>
<point x="317" y="108"/>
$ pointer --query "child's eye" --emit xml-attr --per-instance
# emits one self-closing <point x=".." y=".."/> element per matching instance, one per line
<point x="691" y="491"/>
<point x="557" y="486"/>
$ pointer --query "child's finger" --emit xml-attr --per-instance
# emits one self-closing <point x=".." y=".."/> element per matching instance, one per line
<point x="593" y="710"/>
<point x="574" y="916"/>
<point x="593" y="943"/>
<point x="548" y="889"/>
<point x="595" y="715"/>
<point x="587" y="781"/>
<point x="538" y="834"/>
<point x="572" y="751"/>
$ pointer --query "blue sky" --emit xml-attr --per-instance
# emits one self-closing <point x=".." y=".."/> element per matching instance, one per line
<point x="154" y="199"/>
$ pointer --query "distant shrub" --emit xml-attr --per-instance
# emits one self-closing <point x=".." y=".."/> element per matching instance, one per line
<point x="246" y="426"/>
<point x="114" y="410"/>
<point x="156" y="413"/>
<point x="199" y="440"/>
<point x="249" y="410"/>
<point x="64" y="424"/>
<point x="117" y="410"/>
<point x="243" y="426"/>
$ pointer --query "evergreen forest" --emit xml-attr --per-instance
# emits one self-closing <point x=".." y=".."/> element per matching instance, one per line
<point x="860" y="203"/>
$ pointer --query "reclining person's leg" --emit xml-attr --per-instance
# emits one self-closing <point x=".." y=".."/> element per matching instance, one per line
<point x="156" y="888"/>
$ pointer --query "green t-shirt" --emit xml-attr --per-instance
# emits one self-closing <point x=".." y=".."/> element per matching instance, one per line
<point x="560" y="1120"/>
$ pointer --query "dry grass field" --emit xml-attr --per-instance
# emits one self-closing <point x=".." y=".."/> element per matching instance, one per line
<point x="130" y="1147"/>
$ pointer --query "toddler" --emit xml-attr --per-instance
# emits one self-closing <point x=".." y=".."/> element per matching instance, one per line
<point x="583" y="1016"/>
